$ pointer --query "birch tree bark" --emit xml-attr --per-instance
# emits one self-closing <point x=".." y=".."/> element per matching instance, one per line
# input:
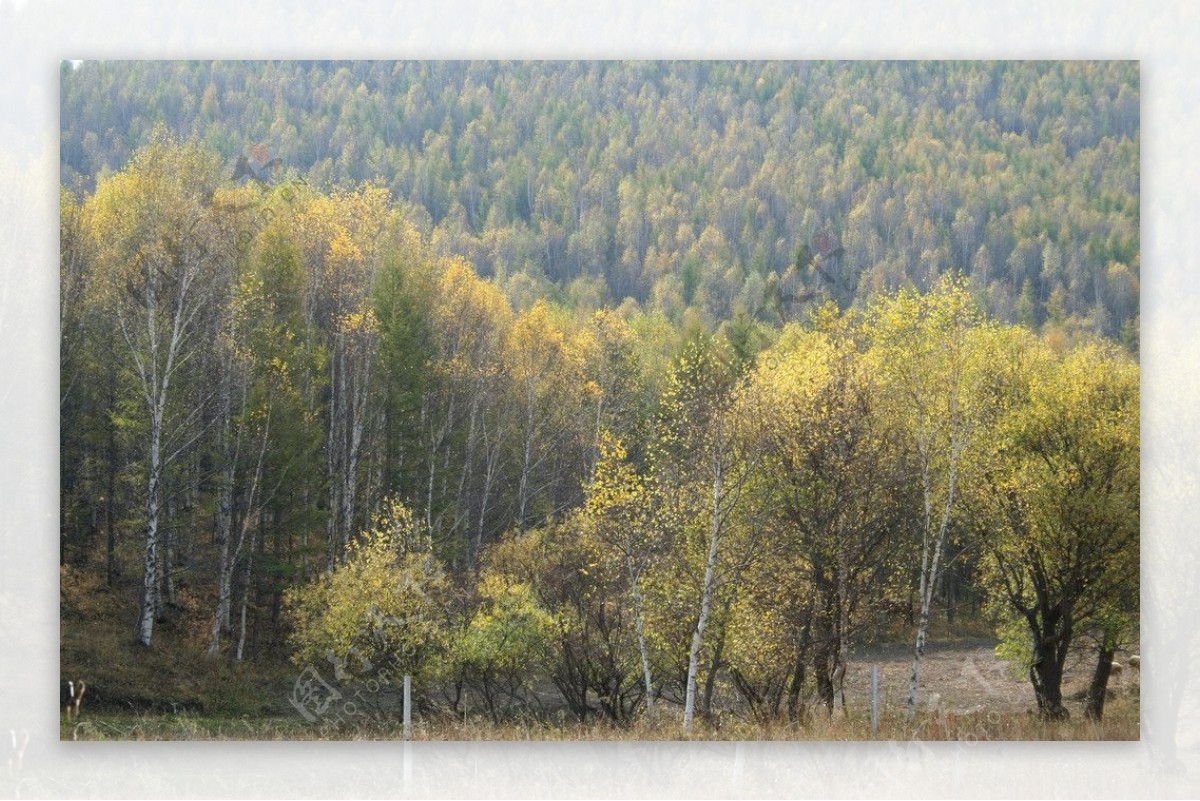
<point x="927" y="352"/>
<point x="706" y="437"/>
<point x="161" y="267"/>
<point x="706" y="593"/>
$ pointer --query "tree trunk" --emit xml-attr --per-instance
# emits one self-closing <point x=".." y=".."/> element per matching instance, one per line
<point x="929" y="577"/>
<point x="1047" y="687"/>
<point x="1099" y="687"/>
<point x="221" y="622"/>
<point x="918" y="652"/>
<point x="246" y="590"/>
<point x="643" y="652"/>
<point x="150" y="564"/>
<point x="167" y="585"/>
<point x="795" y="710"/>
<point x="230" y="450"/>
<point x="337" y="444"/>
<point x="706" y="595"/>
<point x="229" y="561"/>
<point x="823" y="668"/>
<point x="110" y="557"/>
<point x="842" y="641"/>
<point x="710" y="681"/>
<point x="361" y="378"/>
<point x="526" y="461"/>
<point x="1046" y="675"/>
<point x="333" y="465"/>
<point x="461" y="511"/>
<point x="484" y="495"/>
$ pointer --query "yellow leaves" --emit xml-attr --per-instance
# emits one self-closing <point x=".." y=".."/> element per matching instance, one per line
<point x="591" y="389"/>
<point x="470" y="317"/>
<point x="342" y="251"/>
<point x="341" y="234"/>
<point x="618" y="506"/>
<point x="397" y="530"/>
<point x="385" y="599"/>
<point x="1082" y="409"/>
<point x="538" y="334"/>
<point x="509" y="630"/>
<point x="807" y="392"/>
<point x="1063" y="493"/>
<point x="360" y="321"/>
<point x="141" y="215"/>
<point x="612" y="450"/>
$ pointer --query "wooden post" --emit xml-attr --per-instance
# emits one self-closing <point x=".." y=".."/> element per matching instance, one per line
<point x="874" y="698"/>
<point x="407" y="706"/>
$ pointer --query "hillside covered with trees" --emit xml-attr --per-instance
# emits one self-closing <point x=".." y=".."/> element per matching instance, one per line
<point x="706" y="188"/>
<point x="658" y="388"/>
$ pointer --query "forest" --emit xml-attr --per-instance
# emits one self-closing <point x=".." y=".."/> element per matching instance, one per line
<point x="609" y="391"/>
<point x="697" y="188"/>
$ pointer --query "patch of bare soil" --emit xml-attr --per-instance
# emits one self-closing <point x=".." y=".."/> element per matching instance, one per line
<point x="966" y="674"/>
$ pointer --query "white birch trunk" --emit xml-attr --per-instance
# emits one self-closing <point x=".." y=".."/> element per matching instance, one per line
<point x="157" y="352"/>
<point x="361" y="381"/>
<point x="526" y="465"/>
<point x="155" y="383"/>
<point x="462" y="515"/>
<point x="639" y="622"/>
<point x="333" y="458"/>
<point x="706" y="594"/>
<point x="221" y="621"/>
<point x="248" y="584"/>
<point x="930" y="565"/>
<point x="150" y="565"/>
<point x="436" y="439"/>
<point x="492" y="456"/>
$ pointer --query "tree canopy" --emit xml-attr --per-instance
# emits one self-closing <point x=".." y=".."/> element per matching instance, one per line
<point x="753" y="188"/>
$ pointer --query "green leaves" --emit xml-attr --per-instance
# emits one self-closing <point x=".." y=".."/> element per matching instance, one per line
<point x="1060" y="504"/>
<point x="509" y="634"/>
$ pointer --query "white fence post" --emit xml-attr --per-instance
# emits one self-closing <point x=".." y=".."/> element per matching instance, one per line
<point x="874" y="698"/>
<point x="407" y="706"/>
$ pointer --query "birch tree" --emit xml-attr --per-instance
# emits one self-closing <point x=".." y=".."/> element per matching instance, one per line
<point x="621" y="512"/>
<point x="161" y="256"/>
<point x="710" y="466"/>
<point x="262" y="436"/>
<point x="929" y="360"/>
<point x="339" y="237"/>
<point x="354" y="341"/>
<point x="470" y="322"/>
<point x="551" y="397"/>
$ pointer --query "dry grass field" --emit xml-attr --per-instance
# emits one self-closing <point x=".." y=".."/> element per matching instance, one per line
<point x="978" y="697"/>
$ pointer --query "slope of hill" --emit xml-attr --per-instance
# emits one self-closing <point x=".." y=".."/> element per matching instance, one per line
<point x="730" y="188"/>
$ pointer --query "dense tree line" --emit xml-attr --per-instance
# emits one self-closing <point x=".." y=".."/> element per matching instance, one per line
<point x="292" y="426"/>
<point x="700" y="189"/>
